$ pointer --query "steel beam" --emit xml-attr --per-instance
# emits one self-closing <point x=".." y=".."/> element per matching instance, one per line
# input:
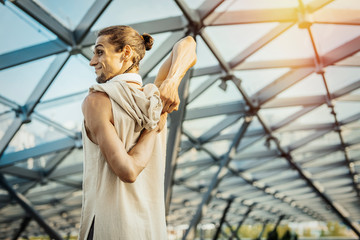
<point x="34" y="99"/>
<point x="252" y="16"/>
<point x="31" y="53"/>
<point x="9" y="103"/>
<point x="317" y="4"/>
<point x="170" y="24"/>
<point x="208" y="7"/>
<point x="21" y="172"/>
<point x="347" y="49"/>
<point x="54" y="162"/>
<point x="202" y="88"/>
<point x="215" y="130"/>
<point x="174" y="138"/>
<point x="23" y="226"/>
<point x="26" y="205"/>
<point x="275" y="32"/>
<point x="40" y="15"/>
<point x="238" y="107"/>
<point x="295" y="101"/>
<point x="279" y="85"/>
<point x="262" y="230"/>
<point x="337" y="16"/>
<point x="217" y="233"/>
<point x="217" y="178"/>
<point x="55" y="125"/>
<point x="190" y="14"/>
<point x="160" y="53"/>
<point x="66" y="171"/>
<point x="70" y="98"/>
<point x="224" y="65"/>
<point x="89" y="19"/>
<point x="241" y="222"/>
<point x="40" y="150"/>
<point x="233" y="234"/>
<point x="261" y="16"/>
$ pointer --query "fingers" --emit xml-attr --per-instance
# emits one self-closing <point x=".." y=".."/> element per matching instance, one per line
<point x="162" y="122"/>
<point x="170" y="105"/>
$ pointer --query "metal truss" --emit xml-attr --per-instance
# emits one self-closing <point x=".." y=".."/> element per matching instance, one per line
<point x="256" y="171"/>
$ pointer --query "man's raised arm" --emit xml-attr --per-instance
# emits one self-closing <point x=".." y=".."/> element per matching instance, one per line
<point x="181" y="59"/>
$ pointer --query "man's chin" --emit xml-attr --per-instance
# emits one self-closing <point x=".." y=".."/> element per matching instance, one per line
<point x="101" y="79"/>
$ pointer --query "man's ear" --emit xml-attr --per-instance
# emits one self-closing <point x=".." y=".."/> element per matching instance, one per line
<point x="128" y="53"/>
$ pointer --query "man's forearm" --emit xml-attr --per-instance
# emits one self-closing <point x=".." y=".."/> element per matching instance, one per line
<point x="182" y="57"/>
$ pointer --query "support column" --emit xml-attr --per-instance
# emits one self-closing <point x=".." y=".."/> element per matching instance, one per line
<point x="230" y="201"/>
<point x="217" y="178"/>
<point x="22" y="228"/>
<point x="26" y="205"/>
<point x="273" y="234"/>
<point x="174" y="137"/>
<point x="241" y="222"/>
<point x="262" y="230"/>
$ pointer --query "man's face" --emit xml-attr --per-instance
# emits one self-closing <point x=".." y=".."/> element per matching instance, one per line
<point x="106" y="61"/>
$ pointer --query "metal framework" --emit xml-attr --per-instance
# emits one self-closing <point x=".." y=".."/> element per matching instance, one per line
<point x="225" y="158"/>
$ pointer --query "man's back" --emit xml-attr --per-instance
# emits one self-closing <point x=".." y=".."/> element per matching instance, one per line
<point x="124" y="210"/>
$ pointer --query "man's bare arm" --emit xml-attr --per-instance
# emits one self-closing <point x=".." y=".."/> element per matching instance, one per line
<point x="181" y="59"/>
<point x="99" y="124"/>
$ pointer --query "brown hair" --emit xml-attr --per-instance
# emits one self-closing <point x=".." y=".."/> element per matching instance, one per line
<point x="120" y="36"/>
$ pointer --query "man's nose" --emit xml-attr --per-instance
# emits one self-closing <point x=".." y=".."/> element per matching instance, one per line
<point x="93" y="61"/>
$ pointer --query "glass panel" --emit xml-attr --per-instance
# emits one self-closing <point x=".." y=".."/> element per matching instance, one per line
<point x="73" y="118"/>
<point x="73" y="159"/>
<point x="321" y="114"/>
<point x="205" y="57"/>
<point x="231" y="40"/>
<point x="289" y="138"/>
<point x="325" y="160"/>
<point x="197" y="127"/>
<point x="196" y="82"/>
<point x="310" y="86"/>
<point x="12" y="78"/>
<point x="339" y="77"/>
<point x="339" y="34"/>
<point x="31" y="33"/>
<point x="219" y="147"/>
<point x="351" y="132"/>
<point x="194" y="3"/>
<point x="258" y="4"/>
<point x="37" y="163"/>
<point x="254" y="80"/>
<point x="76" y="76"/>
<point x="6" y="119"/>
<point x="31" y="135"/>
<point x="215" y="95"/>
<point x="159" y="39"/>
<point x="286" y="46"/>
<point x="132" y="13"/>
<point x="69" y="13"/>
<point x="331" y="138"/>
<point x="275" y="115"/>
<point x="345" y="110"/>
<point x="345" y="4"/>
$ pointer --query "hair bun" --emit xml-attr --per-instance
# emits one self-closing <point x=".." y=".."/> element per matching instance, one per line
<point x="148" y="41"/>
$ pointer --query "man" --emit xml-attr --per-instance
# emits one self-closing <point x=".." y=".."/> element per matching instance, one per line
<point x="125" y="138"/>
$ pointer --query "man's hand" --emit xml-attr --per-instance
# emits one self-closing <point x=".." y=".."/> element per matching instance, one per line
<point x="169" y="96"/>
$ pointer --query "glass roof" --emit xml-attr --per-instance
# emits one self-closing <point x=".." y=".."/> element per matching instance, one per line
<point x="271" y="121"/>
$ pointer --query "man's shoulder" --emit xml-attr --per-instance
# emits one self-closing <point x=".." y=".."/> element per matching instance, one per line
<point x="96" y="101"/>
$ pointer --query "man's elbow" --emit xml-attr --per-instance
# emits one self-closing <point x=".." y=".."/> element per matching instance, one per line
<point x="127" y="177"/>
<point x="130" y="173"/>
<point x="190" y="43"/>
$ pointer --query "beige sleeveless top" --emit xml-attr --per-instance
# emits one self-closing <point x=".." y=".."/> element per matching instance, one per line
<point x="122" y="210"/>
